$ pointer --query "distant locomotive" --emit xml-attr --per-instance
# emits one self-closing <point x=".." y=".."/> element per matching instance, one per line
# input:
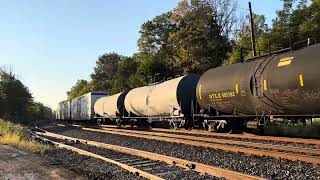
<point x="283" y="84"/>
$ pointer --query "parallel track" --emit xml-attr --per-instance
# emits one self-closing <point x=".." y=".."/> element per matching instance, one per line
<point x="226" y="141"/>
<point x="201" y="168"/>
<point x="129" y="168"/>
<point x="290" y="153"/>
<point x="239" y="136"/>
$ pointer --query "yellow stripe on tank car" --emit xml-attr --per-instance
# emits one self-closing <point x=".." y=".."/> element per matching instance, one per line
<point x="301" y="80"/>
<point x="237" y="88"/>
<point x="265" y="85"/>
<point x="200" y="91"/>
<point x="285" y="61"/>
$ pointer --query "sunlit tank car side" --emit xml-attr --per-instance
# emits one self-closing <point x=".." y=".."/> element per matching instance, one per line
<point x="284" y="84"/>
<point x="82" y="108"/>
<point x="170" y="100"/>
<point x="110" y="107"/>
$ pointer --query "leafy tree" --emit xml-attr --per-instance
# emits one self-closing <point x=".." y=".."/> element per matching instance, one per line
<point x="243" y="40"/>
<point x="197" y="44"/>
<point x="305" y="21"/>
<point x="149" y="65"/>
<point x="15" y="97"/>
<point x="224" y="13"/>
<point x="282" y="26"/>
<point x="127" y="67"/>
<point x="37" y="111"/>
<point x="295" y="23"/>
<point x="80" y="88"/>
<point x="154" y="34"/>
<point x="154" y="43"/>
<point x="106" y="68"/>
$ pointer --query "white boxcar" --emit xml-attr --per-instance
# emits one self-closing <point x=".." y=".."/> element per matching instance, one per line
<point x="82" y="108"/>
<point x="63" y="110"/>
<point x="58" y="112"/>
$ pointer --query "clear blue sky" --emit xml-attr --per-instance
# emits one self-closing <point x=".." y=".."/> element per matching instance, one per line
<point x="51" y="44"/>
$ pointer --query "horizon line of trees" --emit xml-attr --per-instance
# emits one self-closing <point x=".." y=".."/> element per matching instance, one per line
<point x="16" y="101"/>
<point x="196" y="36"/>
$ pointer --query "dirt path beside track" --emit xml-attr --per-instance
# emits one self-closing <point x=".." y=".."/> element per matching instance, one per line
<point x="20" y="164"/>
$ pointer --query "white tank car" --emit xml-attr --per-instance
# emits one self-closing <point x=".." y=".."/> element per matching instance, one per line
<point x="110" y="106"/>
<point x="170" y="98"/>
<point x="135" y="101"/>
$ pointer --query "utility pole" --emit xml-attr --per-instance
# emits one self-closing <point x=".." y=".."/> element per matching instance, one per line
<point x="253" y="39"/>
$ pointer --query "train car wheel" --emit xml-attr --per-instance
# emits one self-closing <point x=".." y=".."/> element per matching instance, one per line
<point x="99" y="122"/>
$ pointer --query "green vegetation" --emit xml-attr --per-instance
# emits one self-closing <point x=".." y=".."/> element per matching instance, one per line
<point x="16" y="135"/>
<point x="16" y="102"/>
<point x="292" y="24"/>
<point x="198" y="35"/>
<point x="309" y="131"/>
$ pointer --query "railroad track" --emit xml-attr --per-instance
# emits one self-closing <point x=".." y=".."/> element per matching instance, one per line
<point x="146" y="164"/>
<point x="259" y="149"/>
<point x="246" y="136"/>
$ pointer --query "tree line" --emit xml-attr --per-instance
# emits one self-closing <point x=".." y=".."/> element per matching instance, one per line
<point x="16" y="101"/>
<point x="198" y="35"/>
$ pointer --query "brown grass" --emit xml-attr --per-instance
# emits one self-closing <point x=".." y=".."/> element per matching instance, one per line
<point x="16" y="135"/>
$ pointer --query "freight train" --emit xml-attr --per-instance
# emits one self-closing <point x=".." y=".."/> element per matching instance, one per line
<point x="283" y="84"/>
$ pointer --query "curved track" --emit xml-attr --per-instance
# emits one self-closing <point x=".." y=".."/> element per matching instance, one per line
<point x="238" y="136"/>
<point x="201" y="168"/>
<point x="259" y="149"/>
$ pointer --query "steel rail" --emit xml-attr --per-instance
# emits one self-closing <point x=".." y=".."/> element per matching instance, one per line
<point x="250" y="151"/>
<point x="225" y="141"/>
<point x="201" y="168"/>
<point x="241" y="136"/>
<point x="131" y="169"/>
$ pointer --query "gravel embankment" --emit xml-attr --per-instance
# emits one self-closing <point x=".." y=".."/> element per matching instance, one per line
<point x="89" y="167"/>
<point x="311" y="146"/>
<point x="261" y="166"/>
<point x="163" y="170"/>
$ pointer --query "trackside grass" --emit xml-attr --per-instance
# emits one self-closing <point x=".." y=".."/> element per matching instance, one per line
<point x="16" y="135"/>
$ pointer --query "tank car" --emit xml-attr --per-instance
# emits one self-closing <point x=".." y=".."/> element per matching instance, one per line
<point x="284" y="84"/>
<point x="171" y="100"/>
<point x="110" y="108"/>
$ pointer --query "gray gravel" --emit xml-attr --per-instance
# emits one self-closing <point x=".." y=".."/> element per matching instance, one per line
<point x="89" y="167"/>
<point x="163" y="170"/>
<point x="311" y="146"/>
<point x="267" y="167"/>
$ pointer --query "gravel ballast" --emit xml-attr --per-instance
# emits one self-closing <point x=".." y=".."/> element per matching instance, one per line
<point x="163" y="170"/>
<point x="267" y="167"/>
<point x="311" y="146"/>
<point x="89" y="167"/>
